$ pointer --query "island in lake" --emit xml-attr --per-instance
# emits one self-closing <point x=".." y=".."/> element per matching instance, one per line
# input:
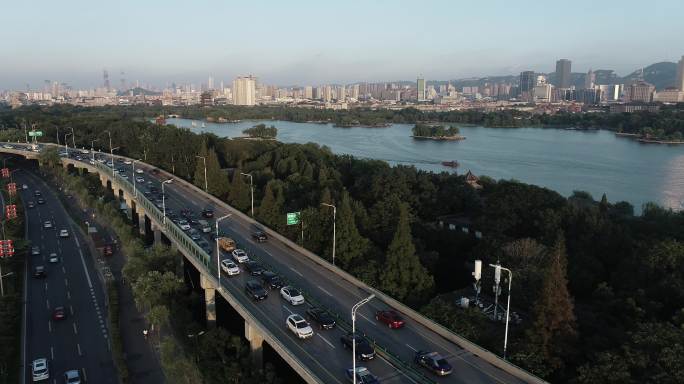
<point x="436" y="132"/>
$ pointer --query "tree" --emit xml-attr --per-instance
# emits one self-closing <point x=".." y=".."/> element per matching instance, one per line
<point x="403" y="277"/>
<point x="270" y="210"/>
<point x="553" y="331"/>
<point x="239" y="195"/>
<point x="351" y="246"/>
<point x="154" y="288"/>
<point x="217" y="181"/>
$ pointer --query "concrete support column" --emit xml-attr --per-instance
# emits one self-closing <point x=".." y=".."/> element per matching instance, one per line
<point x="129" y="206"/>
<point x="157" y="234"/>
<point x="103" y="180"/>
<point x="209" y="300"/>
<point x="141" y="222"/>
<point x="256" y="341"/>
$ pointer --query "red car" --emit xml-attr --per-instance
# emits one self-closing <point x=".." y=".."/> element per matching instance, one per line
<point x="59" y="314"/>
<point x="391" y="318"/>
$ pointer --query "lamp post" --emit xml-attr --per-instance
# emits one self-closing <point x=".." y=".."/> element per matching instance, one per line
<point x="73" y="137"/>
<point x="497" y="279"/>
<point x="135" y="191"/>
<point x="164" y="198"/>
<point x="196" y="337"/>
<point x="2" y="285"/>
<point x="111" y="152"/>
<point x="66" y="143"/>
<point x="251" y="189"/>
<point x="353" y="314"/>
<point x="57" y="134"/>
<point x="334" y="219"/>
<point x="218" y="252"/>
<point x="206" y="188"/>
<point x="92" y="147"/>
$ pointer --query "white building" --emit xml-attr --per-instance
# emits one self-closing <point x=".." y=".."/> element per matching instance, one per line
<point x="244" y="90"/>
<point x="680" y="75"/>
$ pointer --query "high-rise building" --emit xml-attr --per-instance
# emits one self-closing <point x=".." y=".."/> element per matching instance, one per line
<point x="308" y="92"/>
<point x="355" y="92"/>
<point x="341" y="93"/>
<point x="210" y="83"/>
<point x="327" y="94"/>
<point x="680" y="75"/>
<point x="563" y="67"/>
<point x="244" y="90"/>
<point x="640" y="91"/>
<point x="527" y="81"/>
<point x="420" y="86"/>
<point x="589" y="80"/>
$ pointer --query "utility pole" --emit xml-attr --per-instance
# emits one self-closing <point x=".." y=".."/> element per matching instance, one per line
<point x="251" y="188"/>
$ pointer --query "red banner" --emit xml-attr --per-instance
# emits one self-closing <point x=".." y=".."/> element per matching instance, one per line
<point x="11" y="211"/>
<point x="6" y="248"/>
<point x="5" y="172"/>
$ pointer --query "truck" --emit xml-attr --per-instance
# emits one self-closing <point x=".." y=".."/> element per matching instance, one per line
<point x="226" y="244"/>
<point x="204" y="225"/>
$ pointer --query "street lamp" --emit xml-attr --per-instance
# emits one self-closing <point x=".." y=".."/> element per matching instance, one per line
<point x="206" y="189"/>
<point x="2" y="286"/>
<point x="92" y="147"/>
<point x="353" y="314"/>
<point x="196" y="337"/>
<point x="73" y="137"/>
<point x="111" y="152"/>
<point x="334" y="219"/>
<point x="66" y="143"/>
<point x="251" y="188"/>
<point x="218" y="252"/>
<point x="135" y="192"/>
<point x="497" y="279"/>
<point x="164" y="198"/>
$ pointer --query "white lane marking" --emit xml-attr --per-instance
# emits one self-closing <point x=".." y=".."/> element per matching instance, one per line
<point x="63" y="270"/>
<point x="326" y="341"/>
<point x="369" y="320"/>
<point x="296" y="271"/>
<point x="324" y="291"/>
<point x="66" y="282"/>
<point x="50" y="326"/>
<point x="79" y="353"/>
<point x="85" y="377"/>
<point x="77" y="243"/>
<point x="47" y="303"/>
<point x="90" y="283"/>
<point x="413" y="349"/>
<point x="288" y="309"/>
<point x="69" y="295"/>
<point x="52" y="353"/>
<point x="75" y="330"/>
<point x="71" y="309"/>
<point x="46" y="286"/>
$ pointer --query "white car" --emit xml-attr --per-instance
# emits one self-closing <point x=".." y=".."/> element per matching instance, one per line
<point x="292" y="295"/>
<point x="85" y="151"/>
<point x="24" y="186"/>
<point x="8" y="146"/>
<point x="128" y="162"/>
<point x="35" y="250"/>
<point x="39" y="369"/>
<point x="139" y="180"/>
<point x="53" y="258"/>
<point x="63" y="233"/>
<point x="229" y="267"/>
<point x="299" y="326"/>
<point x="184" y="225"/>
<point x="240" y="256"/>
<point x="139" y="171"/>
<point x="47" y="224"/>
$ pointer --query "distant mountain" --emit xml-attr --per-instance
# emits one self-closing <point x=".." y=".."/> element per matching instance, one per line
<point x="662" y="75"/>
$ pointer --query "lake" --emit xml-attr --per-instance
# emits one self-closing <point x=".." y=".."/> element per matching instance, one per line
<point x="563" y="160"/>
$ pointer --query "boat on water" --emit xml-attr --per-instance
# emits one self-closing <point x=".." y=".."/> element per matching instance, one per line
<point x="203" y="125"/>
<point x="194" y="124"/>
<point x="452" y="163"/>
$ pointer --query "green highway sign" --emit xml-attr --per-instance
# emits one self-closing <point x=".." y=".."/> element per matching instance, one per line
<point x="36" y="133"/>
<point x="293" y="218"/>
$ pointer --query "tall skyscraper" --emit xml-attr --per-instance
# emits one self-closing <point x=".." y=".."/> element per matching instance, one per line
<point x="308" y="92"/>
<point x="341" y="93"/>
<point x="355" y="92"/>
<point x="563" y="73"/>
<point x="527" y="81"/>
<point x="244" y="90"/>
<point x="327" y="94"/>
<point x="680" y="75"/>
<point x="589" y="80"/>
<point x="210" y="83"/>
<point x="420" y="86"/>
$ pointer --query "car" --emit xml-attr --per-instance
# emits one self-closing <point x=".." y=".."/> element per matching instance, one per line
<point x="292" y="295"/>
<point x="124" y="176"/>
<point x="79" y="158"/>
<point x="39" y="272"/>
<point x="47" y="224"/>
<point x="24" y="186"/>
<point x="37" y="193"/>
<point x="35" y="250"/>
<point x="147" y="193"/>
<point x="239" y="255"/>
<point x="41" y="200"/>
<point x="139" y="171"/>
<point x="91" y="162"/>
<point x="53" y="258"/>
<point x="322" y="317"/>
<point x="183" y="224"/>
<point x="364" y="350"/>
<point x="8" y="146"/>
<point x="271" y="280"/>
<point x="390" y="318"/>
<point x="139" y="179"/>
<point x="363" y="376"/>
<point x="59" y="313"/>
<point x="110" y="164"/>
<point x="194" y="234"/>
<point x="254" y="268"/>
<point x="40" y="370"/>
<point x="72" y="377"/>
<point x="259" y="236"/>
<point x="299" y="326"/>
<point x="128" y="162"/>
<point x="434" y="362"/>
<point x="229" y="267"/>
<point x="208" y="213"/>
<point x="30" y="204"/>
<point x="63" y="233"/>
<point x="255" y="290"/>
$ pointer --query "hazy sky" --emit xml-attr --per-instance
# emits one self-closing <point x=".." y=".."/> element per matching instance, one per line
<point x="311" y="42"/>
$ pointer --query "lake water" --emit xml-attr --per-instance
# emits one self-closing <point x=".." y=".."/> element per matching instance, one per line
<point x="563" y="160"/>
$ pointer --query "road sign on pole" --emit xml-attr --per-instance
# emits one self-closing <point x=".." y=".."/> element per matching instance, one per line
<point x="293" y="218"/>
<point x="35" y="133"/>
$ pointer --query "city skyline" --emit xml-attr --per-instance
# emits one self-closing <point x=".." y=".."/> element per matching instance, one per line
<point x="284" y="44"/>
